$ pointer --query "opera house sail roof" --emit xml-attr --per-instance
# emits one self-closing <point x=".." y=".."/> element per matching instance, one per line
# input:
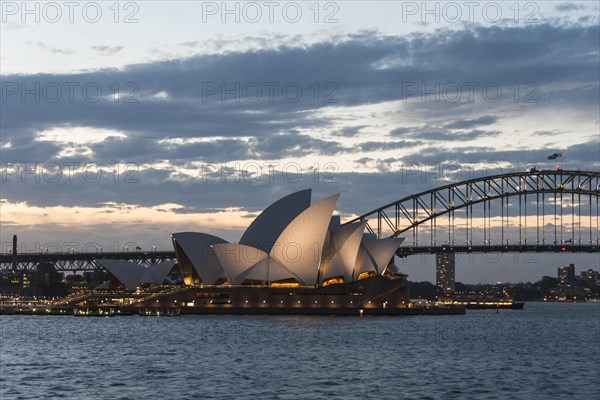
<point x="196" y="258"/>
<point x="290" y="242"/>
<point x="133" y="275"/>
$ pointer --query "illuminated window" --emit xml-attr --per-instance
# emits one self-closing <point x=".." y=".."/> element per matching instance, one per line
<point x="333" y="281"/>
<point x="365" y="275"/>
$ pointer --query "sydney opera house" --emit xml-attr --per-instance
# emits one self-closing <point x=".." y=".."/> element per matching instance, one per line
<point x="294" y="258"/>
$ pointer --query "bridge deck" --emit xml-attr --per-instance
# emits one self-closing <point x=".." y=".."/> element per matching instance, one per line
<point x="86" y="261"/>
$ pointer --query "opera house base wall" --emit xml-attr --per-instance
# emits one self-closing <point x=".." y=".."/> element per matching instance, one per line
<point x="374" y="296"/>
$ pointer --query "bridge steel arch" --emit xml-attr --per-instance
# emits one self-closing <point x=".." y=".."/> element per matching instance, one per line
<point x="417" y="210"/>
<point x="554" y="189"/>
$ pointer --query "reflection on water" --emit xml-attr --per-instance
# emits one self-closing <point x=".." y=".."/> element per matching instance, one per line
<point x="545" y="351"/>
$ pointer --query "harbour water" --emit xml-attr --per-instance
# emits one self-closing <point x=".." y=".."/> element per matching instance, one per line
<point x="545" y="351"/>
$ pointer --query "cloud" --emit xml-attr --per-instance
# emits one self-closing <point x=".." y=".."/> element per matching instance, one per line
<point x="14" y="26"/>
<point x="472" y="123"/>
<point x="349" y="131"/>
<point x="553" y="132"/>
<point x="203" y="187"/>
<point x="584" y="156"/>
<point x="446" y="133"/>
<point x="283" y="145"/>
<point x="215" y="95"/>
<point x="54" y="50"/>
<point x="568" y="7"/>
<point x="399" y="144"/>
<point x="107" y="50"/>
<point x="180" y="122"/>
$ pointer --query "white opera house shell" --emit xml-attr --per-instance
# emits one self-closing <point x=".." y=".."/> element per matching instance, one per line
<point x="290" y="243"/>
<point x="132" y="275"/>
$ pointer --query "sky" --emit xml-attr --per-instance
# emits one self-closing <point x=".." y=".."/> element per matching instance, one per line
<point x="123" y="122"/>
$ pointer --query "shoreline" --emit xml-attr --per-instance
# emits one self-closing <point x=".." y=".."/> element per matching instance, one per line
<point x="158" y="311"/>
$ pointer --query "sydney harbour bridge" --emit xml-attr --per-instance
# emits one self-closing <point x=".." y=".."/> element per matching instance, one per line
<point x="533" y="211"/>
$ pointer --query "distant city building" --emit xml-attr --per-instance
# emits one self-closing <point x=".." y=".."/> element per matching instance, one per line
<point x="591" y="276"/>
<point x="44" y="280"/>
<point x="566" y="275"/>
<point x="445" y="271"/>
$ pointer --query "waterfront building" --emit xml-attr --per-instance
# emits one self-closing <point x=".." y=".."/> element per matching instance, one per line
<point x="445" y="274"/>
<point x="566" y="275"/>
<point x="44" y="280"/>
<point x="291" y="243"/>
<point x="295" y="257"/>
<point x="591" y="276"/>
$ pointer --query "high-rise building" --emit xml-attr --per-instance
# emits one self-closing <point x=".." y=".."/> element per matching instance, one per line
<point x="591" y="276"/>
<point x="566" y="275"/>
<point x="445" y="271"/>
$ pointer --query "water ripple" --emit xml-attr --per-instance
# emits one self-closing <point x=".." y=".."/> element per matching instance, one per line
<point x="545" y="351"/>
